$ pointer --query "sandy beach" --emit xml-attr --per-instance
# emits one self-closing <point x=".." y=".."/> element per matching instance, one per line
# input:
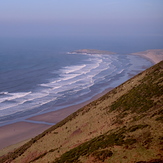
<point x="18" y="132"/>
<point x="14" y="135"/>
<point x="21" y="131"/>
<point x="154" y="55"/>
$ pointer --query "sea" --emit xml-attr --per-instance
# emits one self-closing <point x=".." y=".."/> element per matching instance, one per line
<point x="40" y="75"/>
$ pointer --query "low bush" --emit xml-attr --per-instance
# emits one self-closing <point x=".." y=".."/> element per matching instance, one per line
<point x="136" y="127"/>
<point x="102" y="155"/>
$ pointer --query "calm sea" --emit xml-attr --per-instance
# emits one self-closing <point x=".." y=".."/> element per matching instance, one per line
<point x="38" y="75"/>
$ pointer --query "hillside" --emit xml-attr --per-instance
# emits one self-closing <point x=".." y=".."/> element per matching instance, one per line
<point x="125" y="125"/>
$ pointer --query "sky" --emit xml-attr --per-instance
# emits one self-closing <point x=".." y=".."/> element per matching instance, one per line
<point x="54" y="18"/>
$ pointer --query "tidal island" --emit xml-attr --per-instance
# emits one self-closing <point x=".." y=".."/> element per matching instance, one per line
<point x="90" y="51"/>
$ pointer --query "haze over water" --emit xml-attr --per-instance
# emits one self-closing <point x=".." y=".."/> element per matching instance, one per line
<point x="36" y="73"/>
<point x="40" y="77"/>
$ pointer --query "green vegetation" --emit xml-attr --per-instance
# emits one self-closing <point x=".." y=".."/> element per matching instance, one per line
<point x="102" y="155"/>
<point x="160" y="119"/>
<point x="152" y="161"/>
<point x="136" y="127"/>
<point x="96" y="146"/>
<point x="138" y="100"/>
<point x="43" y="154"/>
<point x="141" y="105"/>
<point x="143" y="97"/>
<point x="99" y="146"/>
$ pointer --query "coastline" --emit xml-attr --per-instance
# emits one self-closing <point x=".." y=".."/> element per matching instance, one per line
<point x="59" y="115"/>
<point x="91" y="51"/>
<point x="16" y="134"/>
<point x="154" y="55"/>
<point x="21" y="131"/>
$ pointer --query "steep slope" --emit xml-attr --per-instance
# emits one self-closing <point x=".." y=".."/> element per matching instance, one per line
<point x="125" y="125"/>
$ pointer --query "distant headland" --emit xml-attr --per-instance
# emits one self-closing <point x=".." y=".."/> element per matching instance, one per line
<point x="154" y="55"/>
<point x="90" y="51"/>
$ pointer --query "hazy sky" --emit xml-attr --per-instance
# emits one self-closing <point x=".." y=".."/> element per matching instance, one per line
<point x="44" y="18"/>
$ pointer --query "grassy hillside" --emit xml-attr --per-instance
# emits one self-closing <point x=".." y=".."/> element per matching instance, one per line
<point x="125" y="125"/>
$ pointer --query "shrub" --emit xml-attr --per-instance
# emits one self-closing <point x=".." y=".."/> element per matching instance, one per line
<point x="102" y="155"/>
<point x="136" y="127"/>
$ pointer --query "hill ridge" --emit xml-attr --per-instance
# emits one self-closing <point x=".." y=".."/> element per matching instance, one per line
<point x="110" y="129"/>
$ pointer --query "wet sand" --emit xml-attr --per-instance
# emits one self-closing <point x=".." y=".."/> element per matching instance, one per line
<point x="20" y="131"/>
<point x="23" y="130"/>
<point x="58" y="115"/>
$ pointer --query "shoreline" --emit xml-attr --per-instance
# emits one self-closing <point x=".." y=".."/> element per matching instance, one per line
<point x="15" y="133"/>
<point x="153" y="55"/>
<point x="59" y="115"/>
<point x="18" y="132"/>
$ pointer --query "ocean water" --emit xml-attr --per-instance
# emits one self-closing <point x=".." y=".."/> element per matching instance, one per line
<point x="38" y="77"/>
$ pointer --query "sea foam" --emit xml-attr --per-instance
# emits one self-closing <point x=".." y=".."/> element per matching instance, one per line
<point x="73" y="84"/>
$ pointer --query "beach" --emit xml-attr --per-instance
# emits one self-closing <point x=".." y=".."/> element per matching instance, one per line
<point x="24" y="130"/>
<point x="16" y="134"/>
<point x="154" y="55"/>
